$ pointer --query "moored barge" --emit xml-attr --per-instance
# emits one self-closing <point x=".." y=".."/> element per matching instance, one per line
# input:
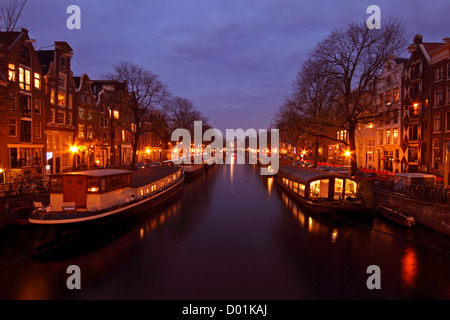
<point x="324" y="192"/>
<point x="84" y="199"/>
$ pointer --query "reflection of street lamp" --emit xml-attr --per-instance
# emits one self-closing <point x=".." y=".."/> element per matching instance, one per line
<point x="3" y="174"/>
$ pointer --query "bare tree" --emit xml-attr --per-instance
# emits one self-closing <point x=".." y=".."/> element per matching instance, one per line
<point x="145" y="93"/>
<point x="180" y="113"/>
<point x="10" y="12"/>
<point x="341" y="80"/>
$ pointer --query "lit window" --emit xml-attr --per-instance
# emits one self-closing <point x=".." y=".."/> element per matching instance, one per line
<point x="116" y="114"/>
<point x="27" y="80"/>
<point x="61" y="118"/>
<point x="80" y="130"/>
<point x="11" y="72"/>
<point x="21" y="79"/>
<point x="163" y="183"/>
<point x="61" y="100"/>
<point x="123" y="135"/>
<point x="52" y="96"/>
<point x="37" y="80"/>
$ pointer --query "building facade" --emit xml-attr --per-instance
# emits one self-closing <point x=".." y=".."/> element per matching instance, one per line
<point x="23" y="115"/>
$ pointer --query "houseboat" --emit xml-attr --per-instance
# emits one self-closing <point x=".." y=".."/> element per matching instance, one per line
<point x="323" y="192"/>
<point x="87" y="198"/>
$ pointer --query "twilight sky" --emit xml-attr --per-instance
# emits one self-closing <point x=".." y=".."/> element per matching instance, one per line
<point x="234" y="59"/>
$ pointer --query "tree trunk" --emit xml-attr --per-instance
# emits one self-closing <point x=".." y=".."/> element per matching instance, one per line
<point x="135" y="147"/>
<point x="352" y="149"/>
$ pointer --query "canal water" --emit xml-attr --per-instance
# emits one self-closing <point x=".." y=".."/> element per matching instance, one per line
<point x="232" y="234"/>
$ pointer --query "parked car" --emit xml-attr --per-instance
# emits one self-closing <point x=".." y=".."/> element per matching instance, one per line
<point x="340" y="170"/>
<point x="371" y="177"/>
<point x="325" y="168"/>
<point x="155" y="164"/>
<point x="141" y="166"/>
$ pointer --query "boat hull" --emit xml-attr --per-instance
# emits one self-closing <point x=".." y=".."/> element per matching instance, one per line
<point x="63" y="228"/>
<point x="334" y="209"/>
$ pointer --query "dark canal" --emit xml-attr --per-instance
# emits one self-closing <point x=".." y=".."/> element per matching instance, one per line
<point x="231" y="234"/>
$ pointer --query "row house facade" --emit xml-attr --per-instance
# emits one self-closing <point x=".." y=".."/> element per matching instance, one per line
<point x="427" y="105"/>
<point x="51" y="121"/>
<point x="22" y="123"/>
<point x="378" y="144"/>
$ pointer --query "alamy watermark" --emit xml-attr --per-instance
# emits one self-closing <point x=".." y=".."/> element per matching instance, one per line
<point x="258" y="149"/>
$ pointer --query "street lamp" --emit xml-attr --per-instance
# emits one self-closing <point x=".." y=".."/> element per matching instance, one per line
<point x="74" y="150"/>
<point x="447" y="165"/>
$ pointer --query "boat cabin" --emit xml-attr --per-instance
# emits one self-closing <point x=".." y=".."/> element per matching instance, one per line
<point x="313" y="185"/>
<point x="89" y="190"/>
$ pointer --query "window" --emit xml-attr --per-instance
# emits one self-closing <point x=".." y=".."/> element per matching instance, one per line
<point x="52" y="116"/>
<point x="413" y="132"/>
<point x="388" y="136"/>
<point x="447" y="122"/>
<point x="80" y="130"/>
<point x="37" y="106"/>
<point x="439" y="73"/>
<point x="24" y="57"/>
<point x="61" y="118"/>
<point x="396" y="95"/>
<point x="413" y="154"/>
<point x="123" y="135"/>
<point x="448" y="94"/>
<point x="70" y="101"/>
<point x="13" y="128"/>
<point x="439" y="97"/>
<point x="395" y="136"/>
<point x="163" y="183"/>
<point x="52" y="96"/>
<point x="437" y="122"/>
<point x="63" y="62"/>
<point x="24" y="79"/>
<point x="25" y="131"/>
<point x="11" y="72"/>
<point x="37" y="81"/>
<point x="37" y="130"/>
<point x="61" y="100"/>
<point x="116" y="114"/>
<point x="25" y="106"/>
<point x="69" y="118"/>
<point x="80" y="113"/>
<point x="380" y="137"/>
<point x="62" y="82"/>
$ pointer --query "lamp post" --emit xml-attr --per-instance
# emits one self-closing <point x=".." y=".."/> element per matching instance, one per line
<point x="74" y="150"/>
<point x="447" y="165"/>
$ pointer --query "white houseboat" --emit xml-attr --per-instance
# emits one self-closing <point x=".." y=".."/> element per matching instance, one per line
<point x="84" y="198"/>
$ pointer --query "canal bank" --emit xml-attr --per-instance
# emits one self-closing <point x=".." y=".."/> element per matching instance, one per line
<point x="432" y="215"/>
<point x="16" y="209"/>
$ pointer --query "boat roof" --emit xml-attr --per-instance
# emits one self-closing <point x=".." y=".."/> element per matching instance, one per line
<point x="148" y="175"/>
<point x="95" y="173"/>
<point x="307" y="175"/>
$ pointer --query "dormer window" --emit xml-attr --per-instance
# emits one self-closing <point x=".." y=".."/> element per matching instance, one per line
<point x="63" y="62"/>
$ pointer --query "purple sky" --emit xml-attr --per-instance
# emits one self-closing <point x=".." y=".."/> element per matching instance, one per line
<point x="235" y="59"/>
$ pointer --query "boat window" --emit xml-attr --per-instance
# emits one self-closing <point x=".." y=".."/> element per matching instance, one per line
<point x="295" y="186"/>
<point x="174" y="177"/>
<point x="301" y="189"/>
<point x="56" y="185"/>
<point x="153" y="188"/>
<point x="169" y="180"/>
<point x="350" y="188"/>
<point x="319" y="188"/>
<point x="338" y="188"/>
<point x="103" y="185"/>
<point x="142" y="192"/>
<point x="163" y="183"/>
<point x="93" y="185"/>
<point x="290" y="184"/>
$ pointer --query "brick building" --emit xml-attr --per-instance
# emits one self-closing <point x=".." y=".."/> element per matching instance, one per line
<point x="22" y="113"/>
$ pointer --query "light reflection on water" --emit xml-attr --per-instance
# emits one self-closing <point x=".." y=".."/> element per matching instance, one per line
<point x="233" y="234"/>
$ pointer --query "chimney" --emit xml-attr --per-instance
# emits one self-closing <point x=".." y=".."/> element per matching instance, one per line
<point x="418" y="39"/>
<point x="446" y="40"/>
